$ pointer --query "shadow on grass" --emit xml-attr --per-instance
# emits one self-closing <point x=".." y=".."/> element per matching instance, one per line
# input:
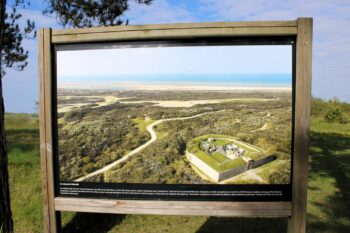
<point x="23" y="147"/>
<point x="25" y="140"/>
<point x="330" y="158"/>
<point x="96" y="223"/>
<point x="256" y="225"/>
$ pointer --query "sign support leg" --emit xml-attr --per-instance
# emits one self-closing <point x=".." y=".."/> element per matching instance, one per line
<point x="297" y="223"/>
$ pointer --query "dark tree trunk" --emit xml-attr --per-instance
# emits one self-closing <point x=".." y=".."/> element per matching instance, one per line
<point x="6" y="223"/>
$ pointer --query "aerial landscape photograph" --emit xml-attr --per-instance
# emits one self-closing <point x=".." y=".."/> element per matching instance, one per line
<point x="175" y="115"/>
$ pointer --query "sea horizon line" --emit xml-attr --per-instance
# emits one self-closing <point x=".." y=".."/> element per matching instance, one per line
<point x="125" y="86"/>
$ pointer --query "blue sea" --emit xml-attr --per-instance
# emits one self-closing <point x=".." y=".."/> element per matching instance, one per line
<point x="279" y="80"/>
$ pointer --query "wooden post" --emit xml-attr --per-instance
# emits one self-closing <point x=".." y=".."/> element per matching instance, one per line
<point x="45" y="73"/>
<point x="297" y="223"/>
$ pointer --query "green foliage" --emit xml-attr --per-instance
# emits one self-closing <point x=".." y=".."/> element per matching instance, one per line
<point x="79" y="99"/>
<point x="74" y="114"/>
<point x="138" y="95"/>
<point x="245" y="137"/>
<point x="332" y="111"/>
<point x="79" y="13"/>
<point x="279" y="177"/>
<point x="13" y="54"/>
<point x="334" y="115"/>
<point x="276" y="172"/>
<point x="318" y="107"/>
<point x="16" y="121"/>
<point x="90" y="138"/>
<point x="180" y="143"/>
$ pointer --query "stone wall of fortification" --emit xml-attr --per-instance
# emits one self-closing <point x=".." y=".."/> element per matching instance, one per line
<point x="206" y="169"/>
<point x="220" y="176"/>
<point x="254" y="164"/>
<point x="232" y="172"/>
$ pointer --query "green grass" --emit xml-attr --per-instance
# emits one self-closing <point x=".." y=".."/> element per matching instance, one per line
<point x="329" y="179"/>
<point x="217" y="161"/>
<point x="275" y="172"/>
<point x="141" y="123"/>
<point x="219" y="157"/>
<point x="220" y="142"/>
<point x="257" y="155"/>
<point x="328" y="191"/>
<point x="319" y="125"/>
<point x="24" y="166"/>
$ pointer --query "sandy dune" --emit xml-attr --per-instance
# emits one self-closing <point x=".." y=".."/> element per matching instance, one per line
<point x="107" y="100"/>
<point x="191" y="103"/>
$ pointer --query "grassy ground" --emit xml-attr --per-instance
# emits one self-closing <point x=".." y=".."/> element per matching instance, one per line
<point x="220" y="142"/>
<point x="24" y="166"/>
<point x="220" y="158"/>
<point x="328" y="193"/>
<point x="329" y="181"/>
<point x="217" y="161"/>
<point x="142" y="123"/>
<point x="266" y="171"/>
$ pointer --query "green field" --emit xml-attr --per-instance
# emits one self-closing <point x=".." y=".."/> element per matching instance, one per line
<point x="141" y="123"/>
<point x="219" y="157"/>
<point x="328" y="188"/>
<point x="220" y="142"/>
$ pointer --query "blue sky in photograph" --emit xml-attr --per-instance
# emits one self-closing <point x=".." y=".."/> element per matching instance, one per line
<point x="176" y="60"/>
<point x="331" y="40"/>
<point x="224" y="65"/>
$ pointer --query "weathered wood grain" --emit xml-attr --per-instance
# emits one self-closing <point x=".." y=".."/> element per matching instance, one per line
<point x="292" y="23"/>
<point x="45" y="75"/>
<point x="155" y="34"/>
<point x="297" y="224"/>
<point x="246" y="209"/>
<point x="173" y="31"/>
<point x="42" y="126"/>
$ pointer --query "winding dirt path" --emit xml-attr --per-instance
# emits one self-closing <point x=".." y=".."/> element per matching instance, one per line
<point x="143" y="146"/>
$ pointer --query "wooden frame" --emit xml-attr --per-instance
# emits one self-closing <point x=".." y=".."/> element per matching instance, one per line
<point x="295" y="211"/>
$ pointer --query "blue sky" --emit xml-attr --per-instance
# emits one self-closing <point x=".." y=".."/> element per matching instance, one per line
<point x="225" y="66"/>
<point x="176" y="60"/>
<point x="331" y="45"/>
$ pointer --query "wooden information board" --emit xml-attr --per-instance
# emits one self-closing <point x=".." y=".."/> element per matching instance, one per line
<point x="298" y="33"/>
